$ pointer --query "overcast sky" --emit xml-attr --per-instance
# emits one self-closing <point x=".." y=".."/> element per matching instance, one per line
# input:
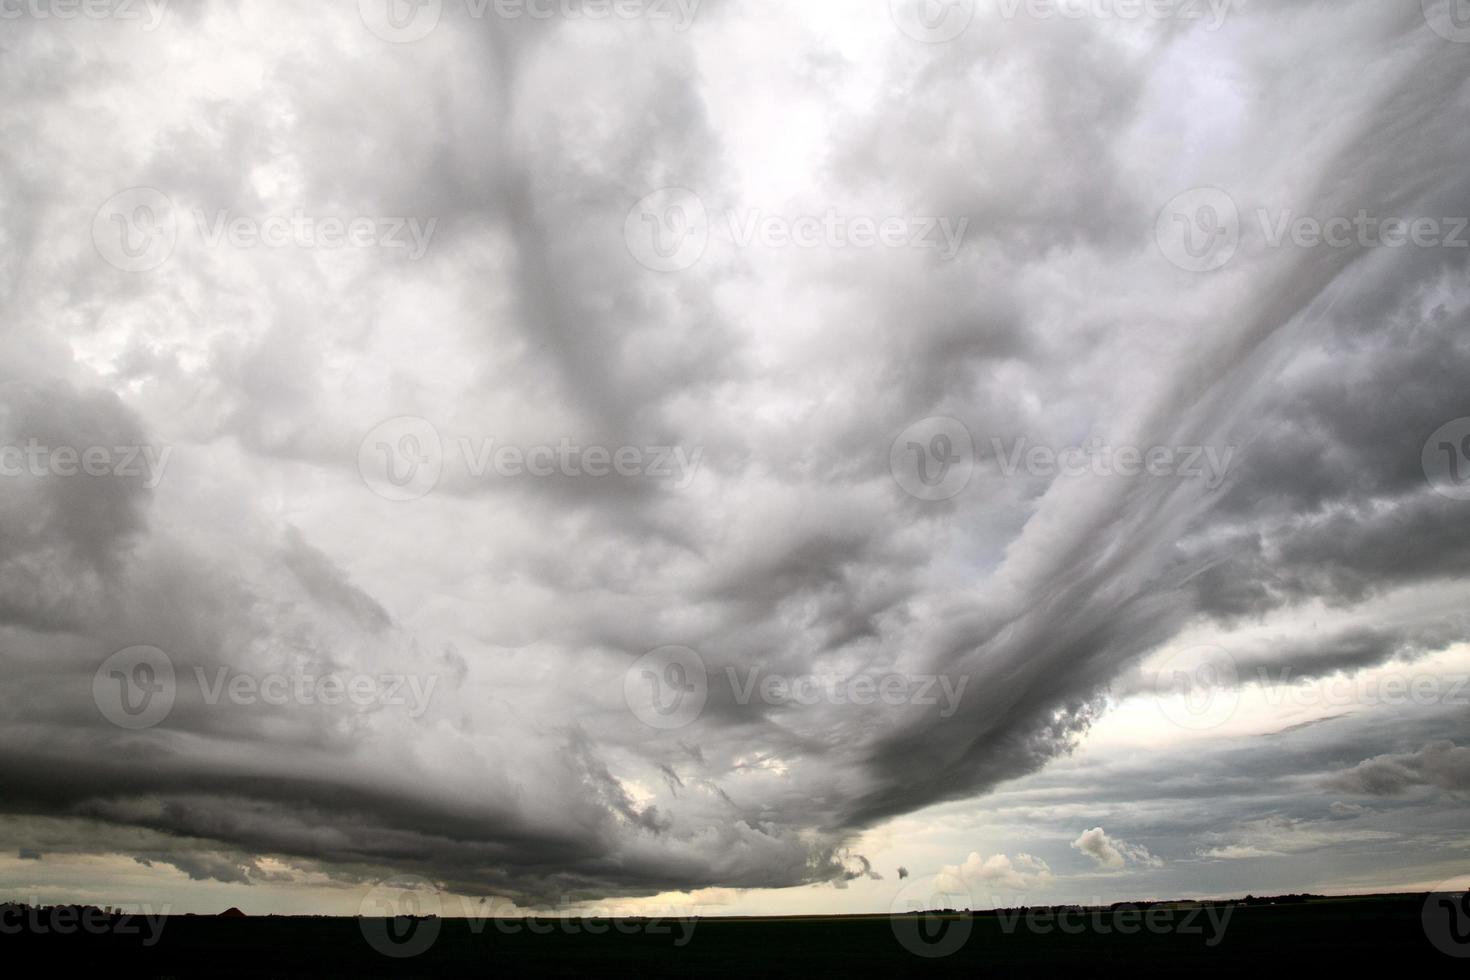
<point x="746" y="456"/>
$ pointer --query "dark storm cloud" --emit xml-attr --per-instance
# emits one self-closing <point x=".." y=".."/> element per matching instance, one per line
<point x="1444" y="765"/>
<point x="263" y="553"/>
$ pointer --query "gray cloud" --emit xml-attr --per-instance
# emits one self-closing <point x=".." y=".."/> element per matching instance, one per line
<point x="1443" y="765"/>
<point x="262" y="551"/>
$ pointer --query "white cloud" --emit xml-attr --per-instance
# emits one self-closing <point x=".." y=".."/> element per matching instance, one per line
<point x="1112" y="853"/>
<point x="998" y="871"/>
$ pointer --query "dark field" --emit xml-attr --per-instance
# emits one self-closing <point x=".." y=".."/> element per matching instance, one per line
<point x="1303" y="939"/>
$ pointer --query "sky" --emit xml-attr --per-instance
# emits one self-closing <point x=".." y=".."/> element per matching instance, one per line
<point x="732" y="457"/>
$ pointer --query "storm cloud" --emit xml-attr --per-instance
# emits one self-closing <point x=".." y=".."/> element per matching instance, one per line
<point x="419" y="429"/>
